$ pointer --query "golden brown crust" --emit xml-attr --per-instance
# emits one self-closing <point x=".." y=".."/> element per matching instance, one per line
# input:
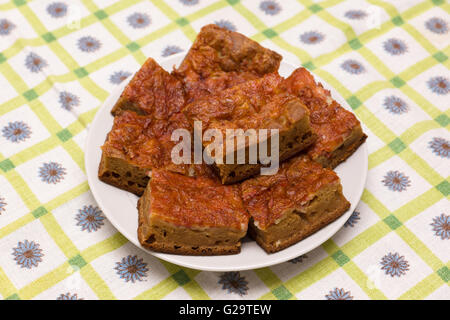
<point x="338" y="130"/>
<point x="297" y="182"/>
<point x="292" y="204"/>
<point x="220" y="59"/>
<point x="196" y="201"/>
<point x="143" y="141"/>
<point x="257" y="104"/>
<point x="291" y="144"/>
<point x="195" y="216"/>
<point x="161" y="236"/>
<point x="297" y="227"/>
<point x="233" y="52"/>
<point x="153" y="92"/>
<point x="355" y="139"/>
<point x="137" y="144"/>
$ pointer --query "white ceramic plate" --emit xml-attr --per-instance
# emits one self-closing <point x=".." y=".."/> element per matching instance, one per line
<point x="120" y="206"/>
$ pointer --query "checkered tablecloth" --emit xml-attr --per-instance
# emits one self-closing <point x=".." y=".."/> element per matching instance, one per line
<point x="60" y="59"/>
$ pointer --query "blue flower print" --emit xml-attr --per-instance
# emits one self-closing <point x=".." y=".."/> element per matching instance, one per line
<point x="396" y="181"/>
<point x="439" y="85"/>
<point x="57" y="9"/>
<point x="6" y="27"/>
<point x="16" y="131"/>
<point x="27" y="254"/>
<point x="437" y="25"/>
<point x="35" y="63"/>
<point x="225" y="24"/>
<point x="395" y="105"/>
<point x="355" y="14"/>
<point x="270" y="7"/>
<point x="2" y="205"/>
<point x="353" y="220"/>
<point x="132" y="269"/>
<point x="68" y="100"/>
<point x="440" y="147"/>
<point x="353" y="67"/>
<point x="139" y="20"/>
<point x="311" y="37"/>
<point x="189" y="2"/>
<point x="52" y="172"/>
<point x="234" y="283"/>
<point x="119" y="76"/>
<point x="395" y="47"/>
<point x="441" y="226"/>
<point x="88" y="44"/>
<point x="90" y="218"/>
<point x="69" y="296"/>
<point x="339" y="294"/>
<point x="170" y="50"/>
<point x="299" y="259"/>
<point x="394" y="265"/>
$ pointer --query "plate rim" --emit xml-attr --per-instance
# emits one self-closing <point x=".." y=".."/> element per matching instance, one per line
<point x="173" y="258"/>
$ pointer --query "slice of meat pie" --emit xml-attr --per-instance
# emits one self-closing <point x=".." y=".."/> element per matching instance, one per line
<point x="339" y="132"/>
<point x="191" y="215"/>
<point x="287" y="207"/>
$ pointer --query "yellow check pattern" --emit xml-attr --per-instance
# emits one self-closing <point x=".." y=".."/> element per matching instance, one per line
<point x="60" y="59"/>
